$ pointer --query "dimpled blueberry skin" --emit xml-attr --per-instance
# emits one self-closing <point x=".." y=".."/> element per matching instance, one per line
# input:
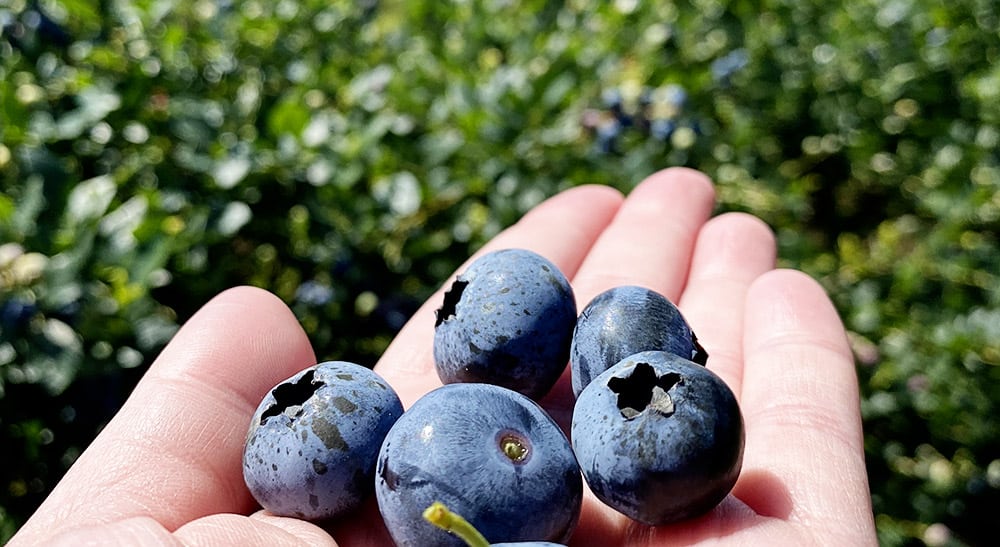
<point x="313" y="441"/>
<point x="507" y="320"/>
<point x="448" y="447"/>
<point x="623" y="321"/>
<point x="659" y="438"/>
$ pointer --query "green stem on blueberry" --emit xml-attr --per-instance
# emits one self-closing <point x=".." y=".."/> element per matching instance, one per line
<point x="442" y="517"/>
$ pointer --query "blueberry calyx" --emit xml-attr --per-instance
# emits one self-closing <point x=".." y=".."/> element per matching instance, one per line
<point x="515" y="446"/>
<point x="451" y="298"/>
<point x="289" y="398"/>
<point x="643" y="389"/>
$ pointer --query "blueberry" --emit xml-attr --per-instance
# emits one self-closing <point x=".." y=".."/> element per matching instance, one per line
<point x="608" y="132"/>
<point x="490" y="454"/>
<point x="659" y="438"/>
<point x="439" y="515"/>
<point x="313" y="441"/>
<point x="661" y="128"/>
<point x="507" y="320"/>
<point x="612" y="99"/>
<point x="16" y="313"/>
<point x="314" y="293"/>
<point x="674" y="95"/>
<point x="626" y="320"/>
<point x="729" y="64"/>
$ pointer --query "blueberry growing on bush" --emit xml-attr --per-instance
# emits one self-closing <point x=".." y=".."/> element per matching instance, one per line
<point x="488" y="453"/>
<point x="313" y="441"/>
<point x="623" y="321"/>
<point x="659" y="438"/>
<point x="507" y="320"/>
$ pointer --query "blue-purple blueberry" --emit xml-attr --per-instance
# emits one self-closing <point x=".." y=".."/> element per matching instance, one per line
<point x="489" y="454"/>
<point x="313" y="441"/>
<point x="659" y="438"/>
<point x="623" y="321"/>
<point x="507" y="320"/>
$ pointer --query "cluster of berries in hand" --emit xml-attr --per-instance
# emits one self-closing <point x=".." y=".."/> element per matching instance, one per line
<point x="655" y="434"/>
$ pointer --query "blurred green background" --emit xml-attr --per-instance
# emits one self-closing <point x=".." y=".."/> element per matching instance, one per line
<point x="348" y="155"/>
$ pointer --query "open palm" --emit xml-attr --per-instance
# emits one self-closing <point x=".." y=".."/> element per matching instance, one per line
<point x="167" y="469"/>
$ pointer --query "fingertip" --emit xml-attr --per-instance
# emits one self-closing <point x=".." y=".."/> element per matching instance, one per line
<point x="790" y="304"/>
<point x="263" y="306"/>
<point x="693" y="185"/>
<point x="592" y="196"/>
<point x="792" y="276"/>
<point x="784" y="287"/>
<point x="597" y="191"/>
<point x="243" y="294"/>
<point x="734" y="243"/>
<point x="745" y="225"/>
<point x="790" y="279"/>
<point x="245" y="338"/>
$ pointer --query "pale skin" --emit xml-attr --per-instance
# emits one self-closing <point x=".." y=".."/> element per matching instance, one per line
<point x="167" y="469"/>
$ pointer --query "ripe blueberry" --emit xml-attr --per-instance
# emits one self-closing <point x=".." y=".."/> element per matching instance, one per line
<point x="311" y="448"/>
<point x="439" y="515"/>
<point x="626" y="320"/>
<point x="507" y="320"/>
<point x="490" y="454"/>
<point x="659" y="438"/>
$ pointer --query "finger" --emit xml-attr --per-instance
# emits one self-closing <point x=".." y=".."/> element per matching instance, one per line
<point x="732" y="250"/>
<point x="173" y="452"/>
<point x="127" y="532"/>
<point x="804" y="457"/>
<point x="260" y="528"/>
<point x="650" y="240"/>
<point x="648" y="243"/>
<point x="561" y="229"/>
<point x="223" y="529"/>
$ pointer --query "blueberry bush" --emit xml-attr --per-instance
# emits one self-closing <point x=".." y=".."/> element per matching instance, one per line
<point x="349" y="154"/>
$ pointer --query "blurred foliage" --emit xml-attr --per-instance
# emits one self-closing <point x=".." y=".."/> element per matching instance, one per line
<point x="348" y="155"/>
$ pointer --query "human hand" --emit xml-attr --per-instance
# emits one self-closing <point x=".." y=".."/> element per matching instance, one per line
<point x="167" y="469"/>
